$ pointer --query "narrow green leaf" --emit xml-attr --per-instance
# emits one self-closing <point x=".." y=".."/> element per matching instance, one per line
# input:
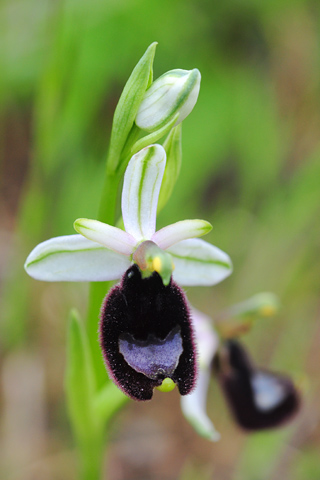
<point x="79" y="379"/>
<point x="173" y="149"/>
<point x="108" y="401"/>
<point x="128" y="105"/>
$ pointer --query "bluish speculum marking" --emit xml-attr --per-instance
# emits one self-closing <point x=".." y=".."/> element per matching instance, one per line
<point x="268" y="391"/>
<point x="153" y="357"/>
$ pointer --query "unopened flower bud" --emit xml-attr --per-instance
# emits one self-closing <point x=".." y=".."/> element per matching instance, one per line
<point x="239" y="319"/>
<point x="175" y="92"/>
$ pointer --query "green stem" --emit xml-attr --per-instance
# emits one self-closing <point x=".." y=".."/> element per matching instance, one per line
<point x="91" y="461"/>
<point x="97" y="293"/>
<point x="92" y="452"/>
<point x="98" y="290"/>
<point x="107" y="209"/>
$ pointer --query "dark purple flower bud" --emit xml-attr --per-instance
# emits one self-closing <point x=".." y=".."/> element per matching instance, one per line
<point x="259" y="399"/>
<point x="146" y="335"/>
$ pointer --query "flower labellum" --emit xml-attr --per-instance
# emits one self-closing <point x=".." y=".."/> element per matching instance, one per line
<point x="145" y="328"/>
<point x="146" y="336"/>
<point x="259" y="399"/>
<point x="175" y="92"/>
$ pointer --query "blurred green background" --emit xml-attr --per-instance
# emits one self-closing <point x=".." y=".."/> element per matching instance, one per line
<point x="251" y="166"/>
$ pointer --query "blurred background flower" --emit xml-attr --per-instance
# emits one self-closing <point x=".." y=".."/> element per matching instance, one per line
<point x="250" y="166"/>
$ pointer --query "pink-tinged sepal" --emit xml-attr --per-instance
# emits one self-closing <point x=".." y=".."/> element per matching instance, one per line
<point x="259" y="399"/>
<point x="146" y="335"/>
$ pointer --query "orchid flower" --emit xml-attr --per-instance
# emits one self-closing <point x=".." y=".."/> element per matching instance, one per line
<point x="145" y="330"/>
<point x="258" y="398"/>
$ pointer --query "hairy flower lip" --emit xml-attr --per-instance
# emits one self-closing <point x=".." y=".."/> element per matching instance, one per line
<point x="259" y="399"/>
<point x="143" y="308"/>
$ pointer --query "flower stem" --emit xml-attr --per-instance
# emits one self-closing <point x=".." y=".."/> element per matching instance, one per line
<point x="91" y="461"/>
<point x="92" y="453"/>
<point x="98" y="290"/>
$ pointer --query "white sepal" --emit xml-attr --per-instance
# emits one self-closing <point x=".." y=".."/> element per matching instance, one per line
<point x="194" y="404"/>
<point x="197" y="263"/>
<point x="140" y="192"/>
<point x="73" y="258"/>
<point x="174" y="233"/>
<point x="108" y="236"/>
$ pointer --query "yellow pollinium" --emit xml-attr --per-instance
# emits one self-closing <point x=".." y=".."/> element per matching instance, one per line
<point x="268" y="311"/>
<point x="157" y="264"/>
<point x="167" y="385"/>
<point x="160" y="262"/>
<point x="150" y="258"/>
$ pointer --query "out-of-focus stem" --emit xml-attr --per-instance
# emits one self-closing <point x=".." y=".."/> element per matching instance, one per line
<point x="98" y="290"/>
<point x="91" y="461"/>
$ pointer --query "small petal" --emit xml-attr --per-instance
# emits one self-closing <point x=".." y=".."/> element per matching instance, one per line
<point x="206" y="338"/>
<point x="194" y="408"/>
<point x="199" y="263"/>
<point x="174" y="92"/>
<point x="73" y="258"/>
<point x="172" y="234"/>
<point x="108" y="236"/>
<point x="140" y="192"/>
<point x="146" y="335"/>
<point x="194" y="405"/>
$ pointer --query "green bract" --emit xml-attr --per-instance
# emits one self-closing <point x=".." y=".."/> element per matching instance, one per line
<point x="175" y="92"/>
<point x="173" y="148"/>
<point x="128" y="105"/>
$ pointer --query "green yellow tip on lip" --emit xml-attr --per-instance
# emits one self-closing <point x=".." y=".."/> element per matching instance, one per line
<point x="167" y="385"/>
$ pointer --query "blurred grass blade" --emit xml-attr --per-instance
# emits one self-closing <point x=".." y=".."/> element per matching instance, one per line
<point x="79" y="379"/>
